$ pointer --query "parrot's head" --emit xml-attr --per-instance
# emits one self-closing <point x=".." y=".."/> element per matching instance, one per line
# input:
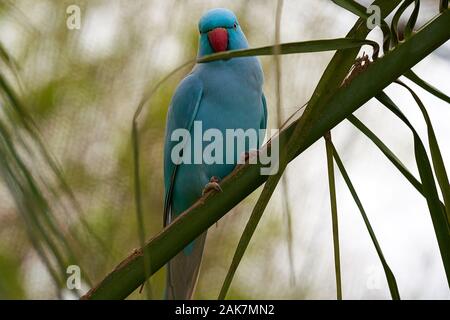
<point x="220" y="31"/>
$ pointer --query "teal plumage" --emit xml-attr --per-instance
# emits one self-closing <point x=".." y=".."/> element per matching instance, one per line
<point x="225" y="94"/>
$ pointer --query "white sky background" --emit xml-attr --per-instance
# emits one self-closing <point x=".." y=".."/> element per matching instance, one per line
<point x="398" y="213"/>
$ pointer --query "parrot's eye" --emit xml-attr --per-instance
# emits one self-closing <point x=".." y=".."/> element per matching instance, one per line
<point x="235" y="25"/>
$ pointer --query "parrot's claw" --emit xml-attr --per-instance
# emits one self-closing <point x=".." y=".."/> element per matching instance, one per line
<point x="212" y="185"/>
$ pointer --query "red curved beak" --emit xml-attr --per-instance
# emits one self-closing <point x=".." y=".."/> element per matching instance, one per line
<point x="218" y="38"/>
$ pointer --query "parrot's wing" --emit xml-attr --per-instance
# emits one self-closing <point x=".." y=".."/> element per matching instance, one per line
<point x="264" y="118"/>
<point x="263" y="123"/>
<point x="182" y="269"/>
<point x="182" y="112"/>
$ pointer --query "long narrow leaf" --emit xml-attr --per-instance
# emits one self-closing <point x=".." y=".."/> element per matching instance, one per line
<point x="436" y="156"/>
<point x="396" y="19"/>
<point x="425" y="85"/>
<point x="284" y="182"/>
<point x="390" y="155"/>
<point x="438" y="216"/>
<point x="387" y="152"/>
<point x="334" y="214"/>
<point x="249" y="230"/>
<point x="353" y="7"/>
<point x="293" y="47"/>
<point x="387" y="270"/>
<point x="412" y="19"/>
<point x="139" y="214"/>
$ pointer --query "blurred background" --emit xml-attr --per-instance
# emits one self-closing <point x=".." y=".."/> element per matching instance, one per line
<point x="81" y="88"/>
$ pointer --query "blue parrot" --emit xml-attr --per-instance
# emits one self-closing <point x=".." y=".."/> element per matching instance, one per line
<point x="224" y="94"/>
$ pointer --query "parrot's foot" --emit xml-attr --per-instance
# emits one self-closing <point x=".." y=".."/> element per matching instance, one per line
<point x="212" y="185"/>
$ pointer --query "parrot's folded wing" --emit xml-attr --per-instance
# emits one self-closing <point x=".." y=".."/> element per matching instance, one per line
<point x="182" y="269"/>
<point x="263" y="124"/>
<point x="181" y="115"/>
